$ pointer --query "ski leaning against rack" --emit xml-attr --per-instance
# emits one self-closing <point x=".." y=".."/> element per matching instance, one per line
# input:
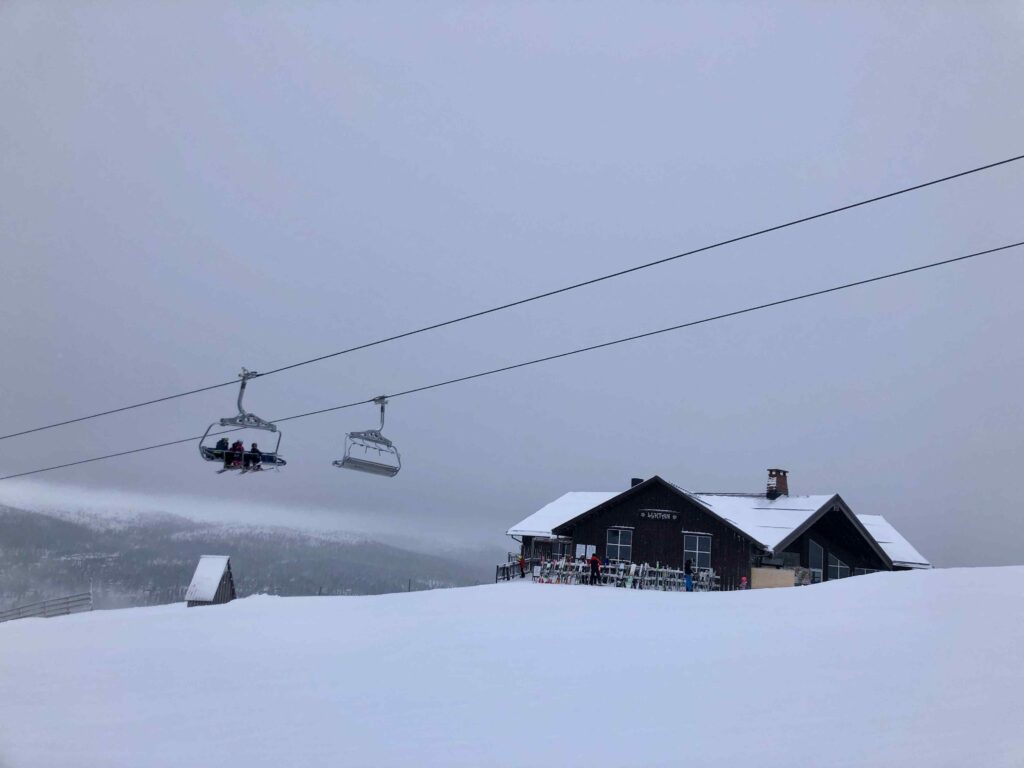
<point x="629" y="575"/>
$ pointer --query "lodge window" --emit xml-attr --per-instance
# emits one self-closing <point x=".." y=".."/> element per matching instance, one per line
<point x="863" y="571"/>
<point x="837" y="569"/>
<point x="620" y="545"/>
<point x="697" y="549"/>
<point x="561" y="548"/>
<point x="815" y="561"/>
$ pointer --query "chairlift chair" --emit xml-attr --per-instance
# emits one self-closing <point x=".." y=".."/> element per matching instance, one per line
<point x="370" y="451"/>
<point x="243" y="420"/>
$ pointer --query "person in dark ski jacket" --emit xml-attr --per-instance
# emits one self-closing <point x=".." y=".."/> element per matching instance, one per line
<point x="688" y="574"/>
<point x="220" y="450"/>
<point x="253" y="458"/>
<point x="595" y="569"/>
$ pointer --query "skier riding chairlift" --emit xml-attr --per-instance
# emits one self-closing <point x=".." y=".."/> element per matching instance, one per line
<point x="237" y="457"/>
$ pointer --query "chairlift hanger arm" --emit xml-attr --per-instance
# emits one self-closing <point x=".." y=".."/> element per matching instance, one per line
<point x="244" y="419"/>
<point x="244" y="376"/>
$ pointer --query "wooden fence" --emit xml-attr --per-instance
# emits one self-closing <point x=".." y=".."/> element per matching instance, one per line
<point x="57" y="606"/>
<point x="510" y="570"/>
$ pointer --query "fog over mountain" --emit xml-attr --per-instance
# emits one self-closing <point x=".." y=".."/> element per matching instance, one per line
<point x="144" y="559"/>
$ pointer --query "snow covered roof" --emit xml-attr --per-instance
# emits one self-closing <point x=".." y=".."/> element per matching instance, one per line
<point x="899" y="550"/>
<point x="767" y="521"/>
<point x="207" y="577"/>
<point x="561" y="510"/>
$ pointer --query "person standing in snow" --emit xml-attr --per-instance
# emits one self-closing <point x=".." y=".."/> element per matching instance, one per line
<point x="522" y="567"/>
<point x="595" y="570"/>
<point x="688" y="573"/>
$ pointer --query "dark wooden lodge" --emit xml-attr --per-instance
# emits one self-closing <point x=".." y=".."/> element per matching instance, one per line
<point x="736" y="534"/>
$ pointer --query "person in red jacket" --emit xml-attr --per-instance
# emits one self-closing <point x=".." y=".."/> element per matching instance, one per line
<point x="595" y="569"/>
<point x="233" y="457"/>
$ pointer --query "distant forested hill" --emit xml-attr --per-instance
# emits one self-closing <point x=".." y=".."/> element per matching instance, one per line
<point x="149" y="559"/>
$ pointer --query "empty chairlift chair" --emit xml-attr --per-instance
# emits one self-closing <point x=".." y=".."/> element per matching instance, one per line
<point x="370" y="451"/>
<point x="244" y="420"/>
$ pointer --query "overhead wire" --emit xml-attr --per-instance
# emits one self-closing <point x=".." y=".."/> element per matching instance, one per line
<point x="527" y="300"/>
<point x="548" y="358"/>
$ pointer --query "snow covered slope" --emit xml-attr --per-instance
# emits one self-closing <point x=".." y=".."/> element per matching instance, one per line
<point x="911" y="669"/>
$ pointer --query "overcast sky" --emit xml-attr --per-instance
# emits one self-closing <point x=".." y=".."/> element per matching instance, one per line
<point x="187" y="188"/>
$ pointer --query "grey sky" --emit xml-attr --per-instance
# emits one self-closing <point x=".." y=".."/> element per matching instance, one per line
<point x="186" y="188"/>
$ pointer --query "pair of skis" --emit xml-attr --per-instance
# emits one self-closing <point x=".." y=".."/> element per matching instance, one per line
<point x="241" y="471"/>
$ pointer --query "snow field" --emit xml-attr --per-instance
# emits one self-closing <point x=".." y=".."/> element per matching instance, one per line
<point x="914" y="669"/>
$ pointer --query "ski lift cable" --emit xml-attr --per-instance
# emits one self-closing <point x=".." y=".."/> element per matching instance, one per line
<point x="548" y="358"/>
<point x="527" y="300"/>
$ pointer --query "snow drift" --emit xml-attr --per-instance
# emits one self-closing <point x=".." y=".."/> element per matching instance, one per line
<point x="914" y="669"/>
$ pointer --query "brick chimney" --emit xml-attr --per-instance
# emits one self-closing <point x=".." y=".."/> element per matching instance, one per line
<point x="634" y="482"/>
<point x="778" y="484"/>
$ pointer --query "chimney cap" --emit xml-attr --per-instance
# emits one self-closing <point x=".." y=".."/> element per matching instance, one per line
<point x="634" y="482"/>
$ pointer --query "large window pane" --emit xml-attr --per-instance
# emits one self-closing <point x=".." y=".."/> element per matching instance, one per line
<point x="815" y="560"/>
<point x="816" y="556"/>
<point x="837" y="569"/>
<point x="619" y="544"/>
<point x="697" y="549"/>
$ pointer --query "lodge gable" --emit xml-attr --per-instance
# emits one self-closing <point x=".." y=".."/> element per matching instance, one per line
<point x="662" y="525"/>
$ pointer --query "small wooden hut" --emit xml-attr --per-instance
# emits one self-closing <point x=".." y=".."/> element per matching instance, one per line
<point x="212" y="582"/>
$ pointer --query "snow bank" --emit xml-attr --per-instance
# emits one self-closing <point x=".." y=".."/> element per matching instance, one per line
<point x="921" y="668"/>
